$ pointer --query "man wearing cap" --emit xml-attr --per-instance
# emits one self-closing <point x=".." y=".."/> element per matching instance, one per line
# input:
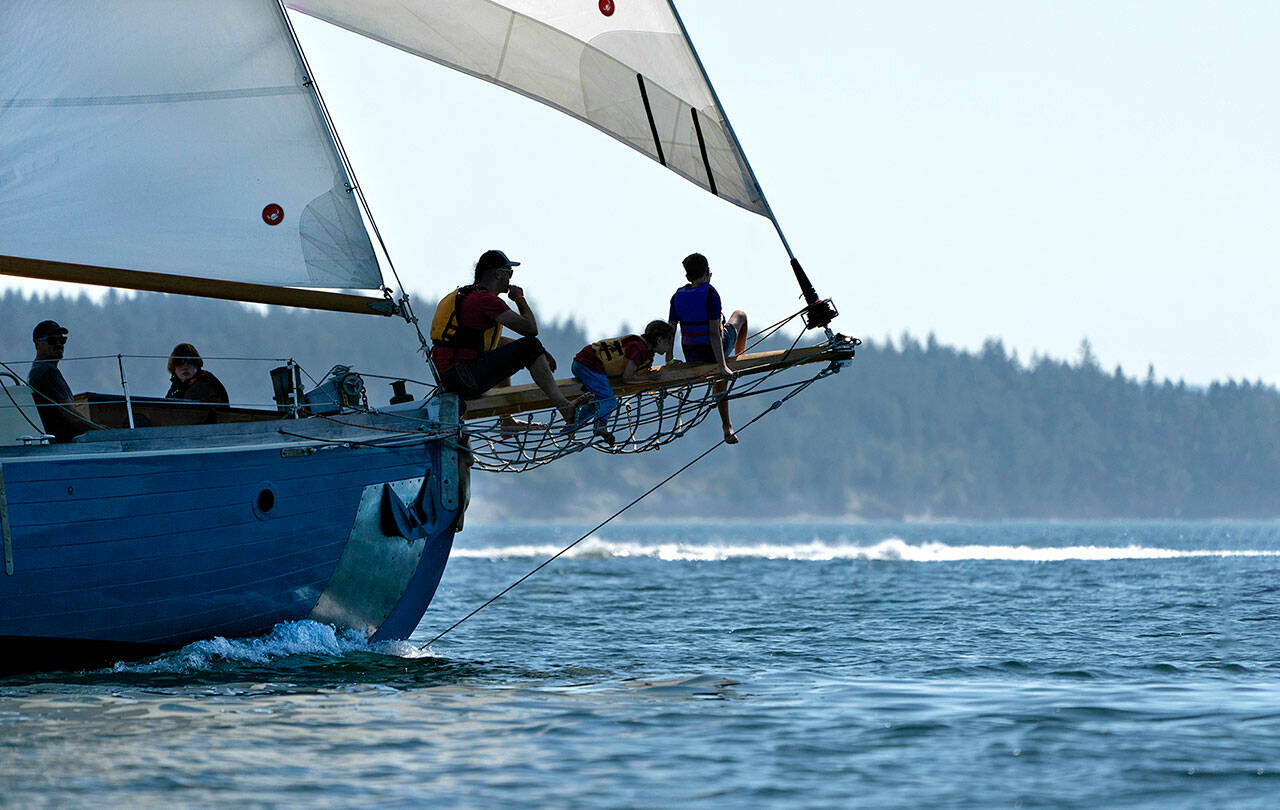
<point x="51" y="392"/>
<point x="467" y="347"/>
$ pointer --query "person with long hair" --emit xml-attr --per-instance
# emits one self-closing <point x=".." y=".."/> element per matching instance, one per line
<point x="189" y="381"/>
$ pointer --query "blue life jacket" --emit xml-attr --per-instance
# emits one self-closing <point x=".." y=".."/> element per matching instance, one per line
<point x="689" y="307"/>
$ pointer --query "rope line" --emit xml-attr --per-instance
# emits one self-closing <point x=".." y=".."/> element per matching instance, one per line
<point x="39" y="430"/>
<point x="772" y="407"/>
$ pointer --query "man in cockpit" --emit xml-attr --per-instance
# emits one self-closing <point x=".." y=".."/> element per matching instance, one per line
<point x="50" y="391"/>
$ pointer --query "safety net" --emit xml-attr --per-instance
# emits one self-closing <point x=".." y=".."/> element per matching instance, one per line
<point x="517" y="430"/>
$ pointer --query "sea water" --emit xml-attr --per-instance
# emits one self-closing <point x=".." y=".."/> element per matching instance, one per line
<point x="721" y="665"/>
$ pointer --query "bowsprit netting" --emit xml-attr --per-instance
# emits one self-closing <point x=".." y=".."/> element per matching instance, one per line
<point x="644" y="420"/>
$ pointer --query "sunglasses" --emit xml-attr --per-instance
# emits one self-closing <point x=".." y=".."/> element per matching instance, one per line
<point x="54" y="340"/>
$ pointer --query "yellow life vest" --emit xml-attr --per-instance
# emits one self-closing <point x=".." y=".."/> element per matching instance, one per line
<point x="447" y="331"/>
<point x="611" y="354"/>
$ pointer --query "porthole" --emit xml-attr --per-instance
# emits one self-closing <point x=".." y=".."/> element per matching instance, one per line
<point x="264" y="502"/>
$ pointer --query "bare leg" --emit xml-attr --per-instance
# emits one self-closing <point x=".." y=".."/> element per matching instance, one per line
<point x="739" y="321"/>
<point x="723" y="406"/>
<point x="540" y="371"/>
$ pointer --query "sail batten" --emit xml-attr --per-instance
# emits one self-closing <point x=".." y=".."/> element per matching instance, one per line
<point x="625" y="68"/>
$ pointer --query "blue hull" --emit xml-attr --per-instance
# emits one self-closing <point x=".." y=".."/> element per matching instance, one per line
<point x="154" y="550"/>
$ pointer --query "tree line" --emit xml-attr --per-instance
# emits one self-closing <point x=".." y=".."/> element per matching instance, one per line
<point x="912" y="429"/>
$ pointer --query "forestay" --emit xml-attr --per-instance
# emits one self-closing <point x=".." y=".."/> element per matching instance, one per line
<point x="176" y="138"/>
<point x="623" y="66"/>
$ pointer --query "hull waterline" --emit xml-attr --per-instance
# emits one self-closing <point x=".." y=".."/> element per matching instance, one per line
<point x="130" y="547"/>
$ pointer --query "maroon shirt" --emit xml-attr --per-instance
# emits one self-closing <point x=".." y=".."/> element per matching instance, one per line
<point x="633" y="347"/>
<point x="480" y="310"/>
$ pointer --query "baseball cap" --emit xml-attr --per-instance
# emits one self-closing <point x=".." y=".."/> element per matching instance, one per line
<point x="46" y="329"/>
<point x="493" y="259"/>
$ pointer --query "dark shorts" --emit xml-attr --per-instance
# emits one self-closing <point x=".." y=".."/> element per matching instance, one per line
<point x="471" y="380"/>
<point x="701" y="352"/>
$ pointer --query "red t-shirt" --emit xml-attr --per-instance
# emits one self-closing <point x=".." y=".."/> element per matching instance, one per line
<point x="480" y="310"/>
<point x="633" y="347"/>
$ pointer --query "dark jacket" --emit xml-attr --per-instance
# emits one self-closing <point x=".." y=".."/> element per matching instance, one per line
<point x="50" y="392"/>
<point x="204" y="387"/>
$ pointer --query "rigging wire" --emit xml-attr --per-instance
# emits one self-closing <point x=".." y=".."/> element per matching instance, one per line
<point x="17" y="407"/>
<point x="405" y="308"/>
<point x="724" y="116"/>
<point x="772" y="407"/>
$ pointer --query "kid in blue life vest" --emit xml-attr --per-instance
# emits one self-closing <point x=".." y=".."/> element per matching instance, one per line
<point x="706" y="336"/>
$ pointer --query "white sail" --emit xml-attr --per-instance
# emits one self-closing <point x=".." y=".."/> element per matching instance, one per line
<point x="624" y="66"/>
<point x="171" y="137"/>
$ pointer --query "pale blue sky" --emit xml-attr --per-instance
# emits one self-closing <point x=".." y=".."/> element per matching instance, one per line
<point x="1039" y="172"/>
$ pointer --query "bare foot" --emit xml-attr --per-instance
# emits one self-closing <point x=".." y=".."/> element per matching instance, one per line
<point x="729" y="436"/>
<point x="570" y="416"/>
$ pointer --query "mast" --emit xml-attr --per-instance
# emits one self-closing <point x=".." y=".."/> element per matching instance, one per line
<point x="818" y="312"/>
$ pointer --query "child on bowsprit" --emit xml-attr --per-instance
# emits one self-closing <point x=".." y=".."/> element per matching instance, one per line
<point x="629" y="357"/>
<point x="696" y="308"/>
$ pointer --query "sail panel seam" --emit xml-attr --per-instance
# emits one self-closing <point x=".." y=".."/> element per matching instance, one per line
<point x="152" y="98"/>
<point x="506" y="45"/>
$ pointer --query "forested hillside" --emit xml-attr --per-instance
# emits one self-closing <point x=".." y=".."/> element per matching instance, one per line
<point x="911" y="429"/>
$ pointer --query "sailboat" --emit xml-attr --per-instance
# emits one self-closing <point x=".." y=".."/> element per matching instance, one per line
<point x="183" y="147"/>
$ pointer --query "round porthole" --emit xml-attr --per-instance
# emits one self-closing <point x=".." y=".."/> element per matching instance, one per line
<point x="264" y="502"/>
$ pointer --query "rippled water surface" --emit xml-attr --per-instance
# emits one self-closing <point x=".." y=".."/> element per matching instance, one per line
<point x="726" y="665"/>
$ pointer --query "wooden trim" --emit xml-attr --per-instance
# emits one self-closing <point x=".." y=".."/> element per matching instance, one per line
<point x="109" y="411"/>
<point x="201" y="287"/>
<point x="524" y="398"/>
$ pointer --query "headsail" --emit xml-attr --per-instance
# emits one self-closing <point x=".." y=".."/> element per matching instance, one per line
<point x="171" y="138"/>
<point x="623" y="66"/>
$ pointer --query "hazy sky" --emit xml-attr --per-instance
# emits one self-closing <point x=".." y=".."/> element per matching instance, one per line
<point x="1039" y="172"/>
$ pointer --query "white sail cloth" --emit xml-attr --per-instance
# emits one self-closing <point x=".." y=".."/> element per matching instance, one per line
<point x="581" y="58"/>
<point x="174" y="138"/>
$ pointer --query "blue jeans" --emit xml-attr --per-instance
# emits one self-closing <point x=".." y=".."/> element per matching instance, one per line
<point x="597" y="384"/>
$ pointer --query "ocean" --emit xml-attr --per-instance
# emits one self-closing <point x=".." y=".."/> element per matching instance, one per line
<point x="735" y="664"/>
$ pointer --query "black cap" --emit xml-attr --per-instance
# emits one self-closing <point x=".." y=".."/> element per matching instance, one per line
<point x="492" y="260"/>
<point x="46" y="329"/>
